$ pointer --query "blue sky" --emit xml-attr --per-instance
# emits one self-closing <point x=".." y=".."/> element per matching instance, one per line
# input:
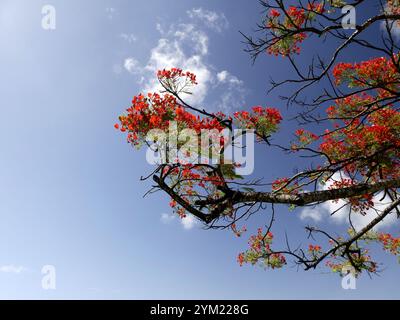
<point x="70" y="194"/>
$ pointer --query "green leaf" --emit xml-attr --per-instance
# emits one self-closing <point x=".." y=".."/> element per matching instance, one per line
<point x="228" y="171"/>
<point x="248" y="189"/>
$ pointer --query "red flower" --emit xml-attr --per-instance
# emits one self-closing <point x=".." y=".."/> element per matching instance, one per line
<point x="274" y="13"/>
<point x="258" y="109"/>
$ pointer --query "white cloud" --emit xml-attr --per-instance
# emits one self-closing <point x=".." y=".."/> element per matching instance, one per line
<point x="12" y="269"/>
<point x="128" y="37"/>
<point x="167" y="218"/>
<point x="197" y="39"/>
<point x="222" y="76"/>
<point x="132" y="65"/>
<point x="189" y="222"/>
<point x="183" y="47"/>
<point x="160" y="28"/>
<point x="231" y="99"/>
<point x="310" y="213"/>
<point x="393" y="27"/>
<point x="111" y="12"/>
<point x="212" y="19"/>
<point x="186" y="46"/>
<point x="341" y="210"/>
<point x="225" y="77"/>
<point x="233" y="91"/>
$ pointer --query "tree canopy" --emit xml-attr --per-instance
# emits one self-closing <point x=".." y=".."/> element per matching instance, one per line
<point x="355" y="152"/>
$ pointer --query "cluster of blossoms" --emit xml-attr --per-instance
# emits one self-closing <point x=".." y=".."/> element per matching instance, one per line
<point x="314" y="250"/>
<point x="360" y="256"/>
<point x="348" y="108"/>
<point x="286" y="35"/>
<point x="381" y="73"/>
<point x="282" y="43"/>
<point x="337" y="3"/>
<point x="157" y="111"/>
<point x="365" y="140"/>
<point x="366" y="132"/>
<point x="286" y="25"/>
<point x="304" y="138"/>
<point x="358" y="204"/>
<point x="260" y="251"/>
<point x="145" y="114"/>
<point x="357" y="259"/>
<point x="365" y="129"/>
<point x="361" y="261"/>
<point x="174" y="73"/>
<point x="176" y="80"/>
<point x="190" y="181"/>
<point x="339" y="262"/>
<point x="390" y="243"/>
<point x="372" y="144"/>
<point x="393" y="7"/>
<point x="282" y="185"/>
<point x="193" y="185"/>
<point x="263" y="120"/>
<point x="238" y="232"/>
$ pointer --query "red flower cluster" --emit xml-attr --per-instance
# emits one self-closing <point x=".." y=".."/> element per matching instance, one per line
<point x="263" y="120"/>
<point x="284" y="44"/>
<point x="341" y="71"/>
<point x="365" y="139"/>
<point x="365" y="130"/>
<point x="282" y="185"/>
<point x="274" y="13"/>
<point x="146" y="113"/>
<point x="190" y="180"/>
<point x="358" y="260"/>
<point x="304" y="138"/>
<point x="316" y="7"/>
<point x="368" y="134"/>
<point x="358" y="204"/>
<point x="175" y="73"/>
<point x="298" y="16"/>
<point x="237" y="232"/>
<point x="379" y="72"/>
<point x="370" y="144"/>
<point x="363" y="262"/>
<point x="390" y="243"/>
<point x="156" y="112"/>
<point x="393" y="7"/>
<point x="314" y="249"/>
<point x="260" y="248"/>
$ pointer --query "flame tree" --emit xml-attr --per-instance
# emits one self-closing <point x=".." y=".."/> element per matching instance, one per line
<point x="356" y="151"/>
